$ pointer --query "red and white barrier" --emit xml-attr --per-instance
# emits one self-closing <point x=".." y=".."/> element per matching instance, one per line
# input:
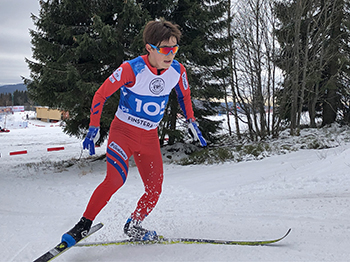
<point x="24" y="152"/>
<point x="50" y="149"/>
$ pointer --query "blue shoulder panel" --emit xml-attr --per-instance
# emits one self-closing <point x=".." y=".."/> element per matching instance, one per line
<point x="137" y="64"/>
<point x="176" y="65"/>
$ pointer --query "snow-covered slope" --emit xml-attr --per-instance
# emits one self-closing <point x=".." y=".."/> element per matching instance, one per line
<point x="307" y="191"/>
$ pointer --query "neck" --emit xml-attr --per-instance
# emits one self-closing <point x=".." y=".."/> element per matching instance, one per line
<point x="153" y="68"/>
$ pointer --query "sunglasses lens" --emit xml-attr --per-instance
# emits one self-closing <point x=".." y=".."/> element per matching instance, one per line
<point x="167" y="50"/>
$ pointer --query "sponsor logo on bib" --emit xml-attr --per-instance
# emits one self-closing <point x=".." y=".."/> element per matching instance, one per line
<point x="156" y="86"/>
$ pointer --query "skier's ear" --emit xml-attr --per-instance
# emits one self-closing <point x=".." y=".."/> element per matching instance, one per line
<point x="148" y="48"/>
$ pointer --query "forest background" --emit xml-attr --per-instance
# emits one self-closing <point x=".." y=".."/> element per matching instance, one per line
<point x="264" y="63"/>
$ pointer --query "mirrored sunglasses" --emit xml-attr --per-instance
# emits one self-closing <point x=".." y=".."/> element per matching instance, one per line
<point x="165" y="50"/>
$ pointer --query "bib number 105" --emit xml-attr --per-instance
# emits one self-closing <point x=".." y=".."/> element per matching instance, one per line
<point x="150" y="108"/>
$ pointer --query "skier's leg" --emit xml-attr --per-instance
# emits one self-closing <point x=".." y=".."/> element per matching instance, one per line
<point x="115" y="178"/>
<point x="118" y="153"/>
<point x="150" y="165"/>
<point x="117" y="169"/>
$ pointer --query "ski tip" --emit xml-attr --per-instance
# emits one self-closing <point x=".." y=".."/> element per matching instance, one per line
<point x="289" y="230"/>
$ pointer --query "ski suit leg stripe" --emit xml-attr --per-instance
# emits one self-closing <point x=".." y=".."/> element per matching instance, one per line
<point x="116" y="166"/>
<point x="116" y="156"/>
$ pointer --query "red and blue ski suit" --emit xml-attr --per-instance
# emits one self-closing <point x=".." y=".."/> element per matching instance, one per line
<point x="144" y="93"/>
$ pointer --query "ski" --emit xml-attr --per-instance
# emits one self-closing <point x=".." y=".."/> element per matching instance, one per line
<point x="62" y="247"/>
<point x="168" y="241"/>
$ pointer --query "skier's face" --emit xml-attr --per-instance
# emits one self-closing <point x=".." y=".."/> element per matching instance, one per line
<point x="159" y="60"/>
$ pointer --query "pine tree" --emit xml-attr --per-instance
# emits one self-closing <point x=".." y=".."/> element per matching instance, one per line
<point x="200" y="51"/>
<point x="204" y="42"/>
<point x="77" y="44"/>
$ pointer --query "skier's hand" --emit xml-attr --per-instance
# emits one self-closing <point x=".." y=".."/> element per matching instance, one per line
<point x="91" y="138"/>
<point x="196" y="133"/>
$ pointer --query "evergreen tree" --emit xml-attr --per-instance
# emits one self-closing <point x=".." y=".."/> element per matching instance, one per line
<point x="20" y="98"/>
<point x="204" y="45"/>
<point x="335" y="44"/>
<point x="314" y="56"/>
<point x="5" y="99"/>
<point x="200" y="51"/>
<point x="77" y="44"/>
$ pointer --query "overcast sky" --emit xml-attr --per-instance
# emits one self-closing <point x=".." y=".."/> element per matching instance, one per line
<point x="15" y="45"/>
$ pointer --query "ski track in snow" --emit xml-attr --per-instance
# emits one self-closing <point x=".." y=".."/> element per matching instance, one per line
<point x="307" y="191"/>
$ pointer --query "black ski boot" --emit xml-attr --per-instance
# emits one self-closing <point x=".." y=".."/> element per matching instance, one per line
<point x="135" y="231"/>
<point x="78" y="232"/>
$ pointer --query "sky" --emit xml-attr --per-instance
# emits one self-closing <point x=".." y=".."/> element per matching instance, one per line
<point x="15" y="46"/>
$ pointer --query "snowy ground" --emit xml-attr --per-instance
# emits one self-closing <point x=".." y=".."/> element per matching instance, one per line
<point x="307" y="191"/>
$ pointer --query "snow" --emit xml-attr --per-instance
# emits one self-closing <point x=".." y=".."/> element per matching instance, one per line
<point x="43" y="194"/>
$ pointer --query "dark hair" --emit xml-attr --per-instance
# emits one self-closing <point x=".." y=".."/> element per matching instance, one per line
<point x="159" y="30"/>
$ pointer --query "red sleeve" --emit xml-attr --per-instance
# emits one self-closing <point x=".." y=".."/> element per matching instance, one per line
<point x="184" y="94"/>
<point x="124" y="75"/>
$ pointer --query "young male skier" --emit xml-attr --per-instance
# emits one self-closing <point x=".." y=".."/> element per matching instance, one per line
<point x="145" y="84"/>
